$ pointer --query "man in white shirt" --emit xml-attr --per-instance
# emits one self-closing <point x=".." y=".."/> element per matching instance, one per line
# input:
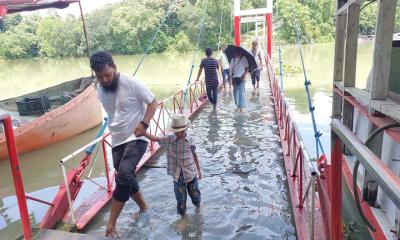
<point x="129" y="106"/>
<point x="224" y="66"/>
<point x="239" y="68"/>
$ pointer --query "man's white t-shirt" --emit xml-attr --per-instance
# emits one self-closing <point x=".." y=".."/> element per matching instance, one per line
<point x="238" y="66"/>
<point x="125" y="108"/>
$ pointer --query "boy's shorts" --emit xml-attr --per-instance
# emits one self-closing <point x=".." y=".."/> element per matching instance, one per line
<point x="182" y="189"/>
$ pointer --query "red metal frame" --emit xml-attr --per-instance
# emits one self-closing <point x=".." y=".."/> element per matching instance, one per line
<point x="3" y="10"/>
<point x="59" y="210"/>
<point x="236" y="27"/>
<point x="335" y="193"/>
<point x="17" y="176"/>
<point x="269" y="34"/>
<point x="393" y="133"/>
<point x="297" y="169"/>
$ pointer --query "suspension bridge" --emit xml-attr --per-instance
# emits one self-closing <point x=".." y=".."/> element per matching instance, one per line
<point x="248" y="160"/>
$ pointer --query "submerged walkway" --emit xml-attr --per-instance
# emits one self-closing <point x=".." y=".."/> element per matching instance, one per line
<point x="244" y="189"/>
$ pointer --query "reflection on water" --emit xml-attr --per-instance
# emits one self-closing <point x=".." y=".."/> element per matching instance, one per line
<point x="244" y="195"/>
<point x="162" y="73"/>
<point x="318" y="60"/>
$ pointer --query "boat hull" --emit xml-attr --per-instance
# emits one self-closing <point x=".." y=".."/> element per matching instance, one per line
<point x="78" y="115"/>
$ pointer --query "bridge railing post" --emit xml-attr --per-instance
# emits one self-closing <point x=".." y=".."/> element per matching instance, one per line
<point x="17" y="176"/>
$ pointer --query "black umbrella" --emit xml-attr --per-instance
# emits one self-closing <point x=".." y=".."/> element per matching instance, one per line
<point x="230" y="54"/>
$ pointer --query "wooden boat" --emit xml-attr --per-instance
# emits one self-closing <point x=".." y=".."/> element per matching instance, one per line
<point x="68" y="109"/>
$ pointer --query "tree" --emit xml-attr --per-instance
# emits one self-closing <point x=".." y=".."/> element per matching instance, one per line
<point x="58" y="38"/>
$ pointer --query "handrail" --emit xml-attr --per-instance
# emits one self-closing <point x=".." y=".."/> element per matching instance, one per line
<point x="386" y="179"/>
<point x="290" y="114"/>
<point x="297" y="160"/>
<point x="6" y="121"/>
<point x="157" y="125"/>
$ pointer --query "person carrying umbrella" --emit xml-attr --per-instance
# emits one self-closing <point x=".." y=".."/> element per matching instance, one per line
<point x="241" y="63"/>
<point x="239" y="67"/>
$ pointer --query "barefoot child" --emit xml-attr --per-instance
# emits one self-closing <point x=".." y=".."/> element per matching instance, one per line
<point x="182" y="162"/>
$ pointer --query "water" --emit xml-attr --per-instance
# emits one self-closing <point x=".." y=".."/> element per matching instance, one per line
<point x="164" y="75"/>
<point x="244" y="194"/>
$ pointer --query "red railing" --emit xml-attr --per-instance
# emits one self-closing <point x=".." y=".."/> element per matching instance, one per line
<point x="302" y="176"/>
<point x="17" y="176"/>
<point x="187" y="101"/>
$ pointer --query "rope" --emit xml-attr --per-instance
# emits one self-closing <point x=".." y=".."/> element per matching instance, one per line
<point x="307" y="83"/>
<point x="154" y="37"/>
<point x="85" y="34"/>
<point x="220" y="24"/>
<point x="194" y="54"/>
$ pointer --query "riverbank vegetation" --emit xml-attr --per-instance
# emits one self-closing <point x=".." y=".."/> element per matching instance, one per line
<point x="127" y="27"/>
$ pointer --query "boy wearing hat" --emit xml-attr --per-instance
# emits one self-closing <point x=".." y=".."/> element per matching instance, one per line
<point x="182" y="162"/>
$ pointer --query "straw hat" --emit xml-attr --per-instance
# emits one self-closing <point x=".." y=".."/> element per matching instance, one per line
<point x="178" y="123"/>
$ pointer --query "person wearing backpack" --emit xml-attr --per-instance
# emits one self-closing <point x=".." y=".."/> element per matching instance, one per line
<point x="239" y="68"/>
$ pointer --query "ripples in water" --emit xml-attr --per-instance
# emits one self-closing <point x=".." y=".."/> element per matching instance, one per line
<point x="244" y="192"/>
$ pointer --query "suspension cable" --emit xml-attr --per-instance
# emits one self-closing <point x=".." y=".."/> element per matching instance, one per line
<point x="220" y="24"/>
<point x="280" y="54"/>
<point x="307" y="83"/>
<point x="85" y="34"/>
<point x="194" y="53"/>
<point x="171" y="5"/>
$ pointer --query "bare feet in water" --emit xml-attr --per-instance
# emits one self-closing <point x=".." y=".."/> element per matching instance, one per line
<point x="111" y="232"/>
<point x="182" y="223"/>
<point x="137" y="215"/>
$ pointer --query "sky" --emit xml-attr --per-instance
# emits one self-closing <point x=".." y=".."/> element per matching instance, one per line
<point x="87" y="6"/>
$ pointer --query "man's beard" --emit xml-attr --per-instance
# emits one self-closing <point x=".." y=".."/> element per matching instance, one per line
<point x="114" y="84"/>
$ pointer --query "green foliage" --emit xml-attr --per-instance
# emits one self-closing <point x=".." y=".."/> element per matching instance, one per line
<point x="128" y="27"/>
<point x="180" y="44"/>
<point x="57" y="37"/>
<point x="314" y="18"/>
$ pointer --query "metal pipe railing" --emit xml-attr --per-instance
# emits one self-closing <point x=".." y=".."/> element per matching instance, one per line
<point x="195" y="90"/>
<point x="17" y="176"/>
<point x="302" y="168"/>
<point x="387" y="180"/>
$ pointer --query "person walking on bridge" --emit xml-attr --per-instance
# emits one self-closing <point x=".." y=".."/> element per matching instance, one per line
<point x="239" y="67"/>
<point x="182" y="162"/>
<point x="130" y="106"/>
<point x="210" y="66"/>
<point x="255" y="75"/>
<point x="224" y="65"/>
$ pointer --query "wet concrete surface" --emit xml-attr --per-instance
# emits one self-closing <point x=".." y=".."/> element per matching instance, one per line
<point x="244" y="189"/>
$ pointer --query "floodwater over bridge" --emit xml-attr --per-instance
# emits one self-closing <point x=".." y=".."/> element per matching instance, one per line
<point x="244" y="189"/>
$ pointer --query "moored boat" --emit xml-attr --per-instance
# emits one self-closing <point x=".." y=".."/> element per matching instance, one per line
<point x="51" y="115"/>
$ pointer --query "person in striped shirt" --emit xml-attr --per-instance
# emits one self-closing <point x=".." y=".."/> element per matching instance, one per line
<point x="182" y="162"/>
<point x="210" y="66"/>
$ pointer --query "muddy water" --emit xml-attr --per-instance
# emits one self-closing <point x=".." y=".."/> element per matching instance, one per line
<point x="164" y="75"/>
<point x="244" y="194"/>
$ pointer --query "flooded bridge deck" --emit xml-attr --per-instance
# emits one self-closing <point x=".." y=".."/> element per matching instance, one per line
<point x="244" y="189"/>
